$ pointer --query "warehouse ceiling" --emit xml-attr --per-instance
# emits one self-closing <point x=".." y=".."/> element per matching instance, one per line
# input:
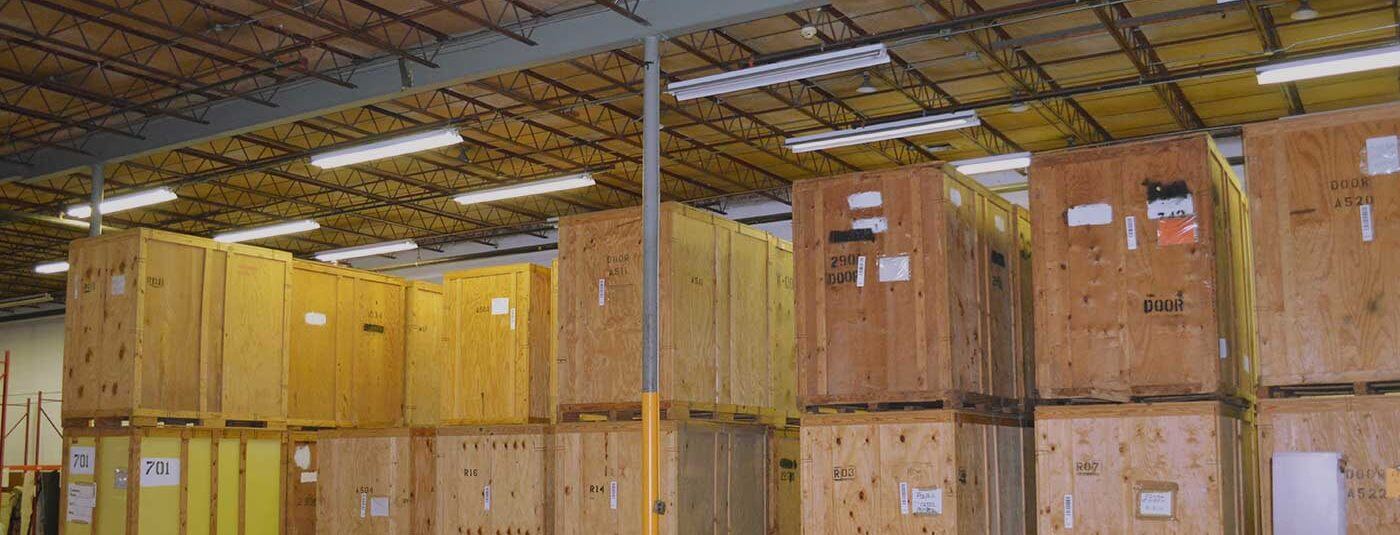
<point x="83" y="80"/>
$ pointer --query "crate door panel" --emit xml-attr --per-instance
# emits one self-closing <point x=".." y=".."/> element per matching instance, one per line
<point x="113" y="461"/>
<point x="464" y="472"/>
<point x="83" y="367"/>
<point x="491" y="361"/>
<point x="254" y="353"/>
<point x="377" y="355"/>
<point x="172" y="327"/>
<point x="120" y="345"/>
<point x="160" y="484"/>
<point x="312" y="369"/>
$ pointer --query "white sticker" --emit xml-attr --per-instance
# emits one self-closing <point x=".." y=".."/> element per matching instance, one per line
<point x="1171" y="207"/>
<point x="903" y="498"/>
<point x="82" y="497"/>
<point x="1156" y="503"/>
<point x="118" y="284"/>
<point x="486" y="497"/>
<point x="602" y="291"/>
<point x="1090" y="214"/>
<point x="500" y="306"/>
<point x="1000" y="223"/>
<point x="80" y="460"/>
<point x="1069" y="511"/>
<point x="864" y="199"/>
<point x="612" y="494"/>
<point x="512" y="319"/>
<point x="955" y="196"/>
<point x="308" y="477"/>
<point x="893" y="268"/>
<point x="302" y="456"/>
<point x="860" y="272"/>
<point x="1224" y="349"/>
<point x="119" y="478"/>
<point x="1382" y="155"/>
<point x="927" y="501"/>
<point x="1130" y="223"/>
<point x="1368" y="228"/>
<point x="379" y="506"/>
<point x="315" y="318"/>
<point x="364" y="504"/>
<point x="876" y="225"/>
<point x="160" y="471"/>
<point x="1246" y="363"/>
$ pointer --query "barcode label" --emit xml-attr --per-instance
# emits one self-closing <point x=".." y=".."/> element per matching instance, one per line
<point x="612" y="494"/>
<point x="903" y="498"/>
<point x="1069" y="511"/>
<point x="602" y="291"/>
<point x="860" y="272"/>
<point x="1130" y="223"/>
<point x="1368" y="229"/>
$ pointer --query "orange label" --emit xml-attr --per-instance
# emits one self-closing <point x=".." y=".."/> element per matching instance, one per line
<point x="1392" y="483"/>
<point x="1176" y="231"/>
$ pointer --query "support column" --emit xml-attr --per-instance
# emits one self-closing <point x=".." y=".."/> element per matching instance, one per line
<point x="95" y="221"/>
<point x="651" y="285"/>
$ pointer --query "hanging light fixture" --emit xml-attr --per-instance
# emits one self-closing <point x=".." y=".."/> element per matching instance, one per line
<point x="1305" y="11"/>
<point x="49" y="268"/>
<point x="1350" y="62"/>
<point x="267" y="231"/>
<point x="782" y="71"/>
<point x="866" y="87"/>
<point x="373" y="249"/>
<point x="992" y="164"/>
<point x="117" y="203"/>
<point x="388" y="148"/>
<point x="883" y="131"/>
<point x="581" y="180"/>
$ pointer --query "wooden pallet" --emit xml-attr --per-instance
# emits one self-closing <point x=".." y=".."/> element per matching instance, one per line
<point x="673" y="410"/>
<point x="1360" y="388"/>
<point x="1160" y="398"/>
<point x="951" y="400"/>
<point x="107" y="422"/>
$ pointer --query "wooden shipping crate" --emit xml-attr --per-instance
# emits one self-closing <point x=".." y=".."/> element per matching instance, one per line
<point x="376" y="481"/>
<point x="711" y="476"/>
<point x="499" y="355"/>
<point x="347" y="334"/>
<point x="909" y="289"/>
<point x="784" y="481"/>
<point x="494" y="479"/>
<point x="915" y="472"/>
<point x="301" y="471"/>
<point x="1362" y="429"/>
<point x="1325" y="190"/>
<point x="171" y="481"/>
<point x="1141" y="267"/>
<point x="425" y="354"/>
<point x="163" y="325"/>
<point x="726" y="341"/>
<point x="1184" y="467"/>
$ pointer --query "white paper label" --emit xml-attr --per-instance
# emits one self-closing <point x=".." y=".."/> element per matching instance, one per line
<point x="893" y="268"/>
<point x="864" y="199"/>
<point x="602" y="291"/>
<point x="160" y="471"/>
<point x="1382" y="155"/>
<point x="1000" y="223"/>
<point x="364" y="504"/>
<point x="1368" y="228"/>
<point x="302" y="456"/>
<point x="1130" y="223"/>
<point x="80" y="460"/>
<point x="308" y="477"/>
<point x="903" y="498"/>
<point x="1246" y="363"/>
<point x="500" y="306"/>
<point x="118" y="284"/>
<point x="1224" y="349"/>
<point x="1090" y="214"/>
<point x="955" y="196"/>
<point x="486" y="497"/>
<point x="1069" y="511"/>
<point x="512" y="319"/>
<point x="927" y="501"/>
<point x="315" y="318"/>
<point x="1155" y="503"/>
<point x="82" y="497"/>
<point x="379" y="506"/>
<point x="876" y="225"/>
<point x="860" y="272"/>
<point x="612" y="494"/>
<point x="1171" y="207"/>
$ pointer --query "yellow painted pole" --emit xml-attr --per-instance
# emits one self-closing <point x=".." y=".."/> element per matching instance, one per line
<point x="652" y="506"/>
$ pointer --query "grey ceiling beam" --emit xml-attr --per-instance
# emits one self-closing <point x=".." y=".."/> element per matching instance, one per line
<point x="565" y="37"/>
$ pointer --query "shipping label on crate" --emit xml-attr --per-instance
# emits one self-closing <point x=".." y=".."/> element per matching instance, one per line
<point x="903" y="498"/>
<point x="486" y="497"/>
<point x="500" y="306"/>
<point x="82" y="498"/>
<point x="379" y="506"/>
<point x="118" y="284"/>
<point x="1156" y="500"/>
<point x="1130" y="226"/>
<point x="1068" y="511"/>
<point x="864" y="200"/>
<point x="612" y="494"/>
<point x="926" y="501"/>
<point x="160" y="471"/>
<point x="1382" y="155"/>
<point x="80" y="460"/>
<point x="1089" y="215"/>
<point x="1368" y="227"/>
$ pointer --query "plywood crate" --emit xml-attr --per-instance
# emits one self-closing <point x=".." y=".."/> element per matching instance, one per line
<point x="1325" y="190"/>
<point x="710" y="478"/>
<point x="494" y="479"/>
<point x="498" y="352"/>
<point x="171" y="481"/>
<point x="1185" y="467"/>
<point x="163" y="325"/>
<point x="726" y="342"/>
<point x="425" y="354"/>
<point x="376" y="481"/>
<point x="347" y="334"/>
<point x="1362" y="429"/>
<point x="784" y="481"/>
<point x="909" y="290"/>
<point x="914" y="472"/>
<point x="301" y="470"/>
<point x="1142" y="273"/>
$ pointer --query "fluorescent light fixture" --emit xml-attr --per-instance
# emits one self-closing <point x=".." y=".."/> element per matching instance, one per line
<point x="49" y="268"/>
<point x="268" y="231"/>
<point x="537" y="187"/>
<point x="883" y="131"/>
<point x="128" y="201"/>
<point x="1333" y="65"/>
<point x="782" y="71"/>
<point x="27" y="300"/>
<point x="992" y="164"/>
<point x="387" y="148"/>
<point x="361" y="251"/>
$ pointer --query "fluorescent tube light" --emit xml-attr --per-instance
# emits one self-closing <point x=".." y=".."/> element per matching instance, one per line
<point x="268" y="231"/>
<point x="27" y="300"/>
<point x="992" y="164"/>
<point x="537" y="187"/>
<point x="883" y="131"/>
<point x="49" y="268"/>
<point x="387" y="148"/>
<point x="366" y="250"/>
<point x="128" y="201"/>
<point x="782" y="71"/>
<point x="1333" y="65"/>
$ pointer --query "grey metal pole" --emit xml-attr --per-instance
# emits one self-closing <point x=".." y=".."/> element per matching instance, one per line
<point x="95" y="222"/>
<point x="652" y="504"/>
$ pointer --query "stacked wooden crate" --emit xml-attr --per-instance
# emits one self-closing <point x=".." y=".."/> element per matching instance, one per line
<point x="1326" y="195"/>
<point x="1144" y="310"/>
<point x="912" y="295"/>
